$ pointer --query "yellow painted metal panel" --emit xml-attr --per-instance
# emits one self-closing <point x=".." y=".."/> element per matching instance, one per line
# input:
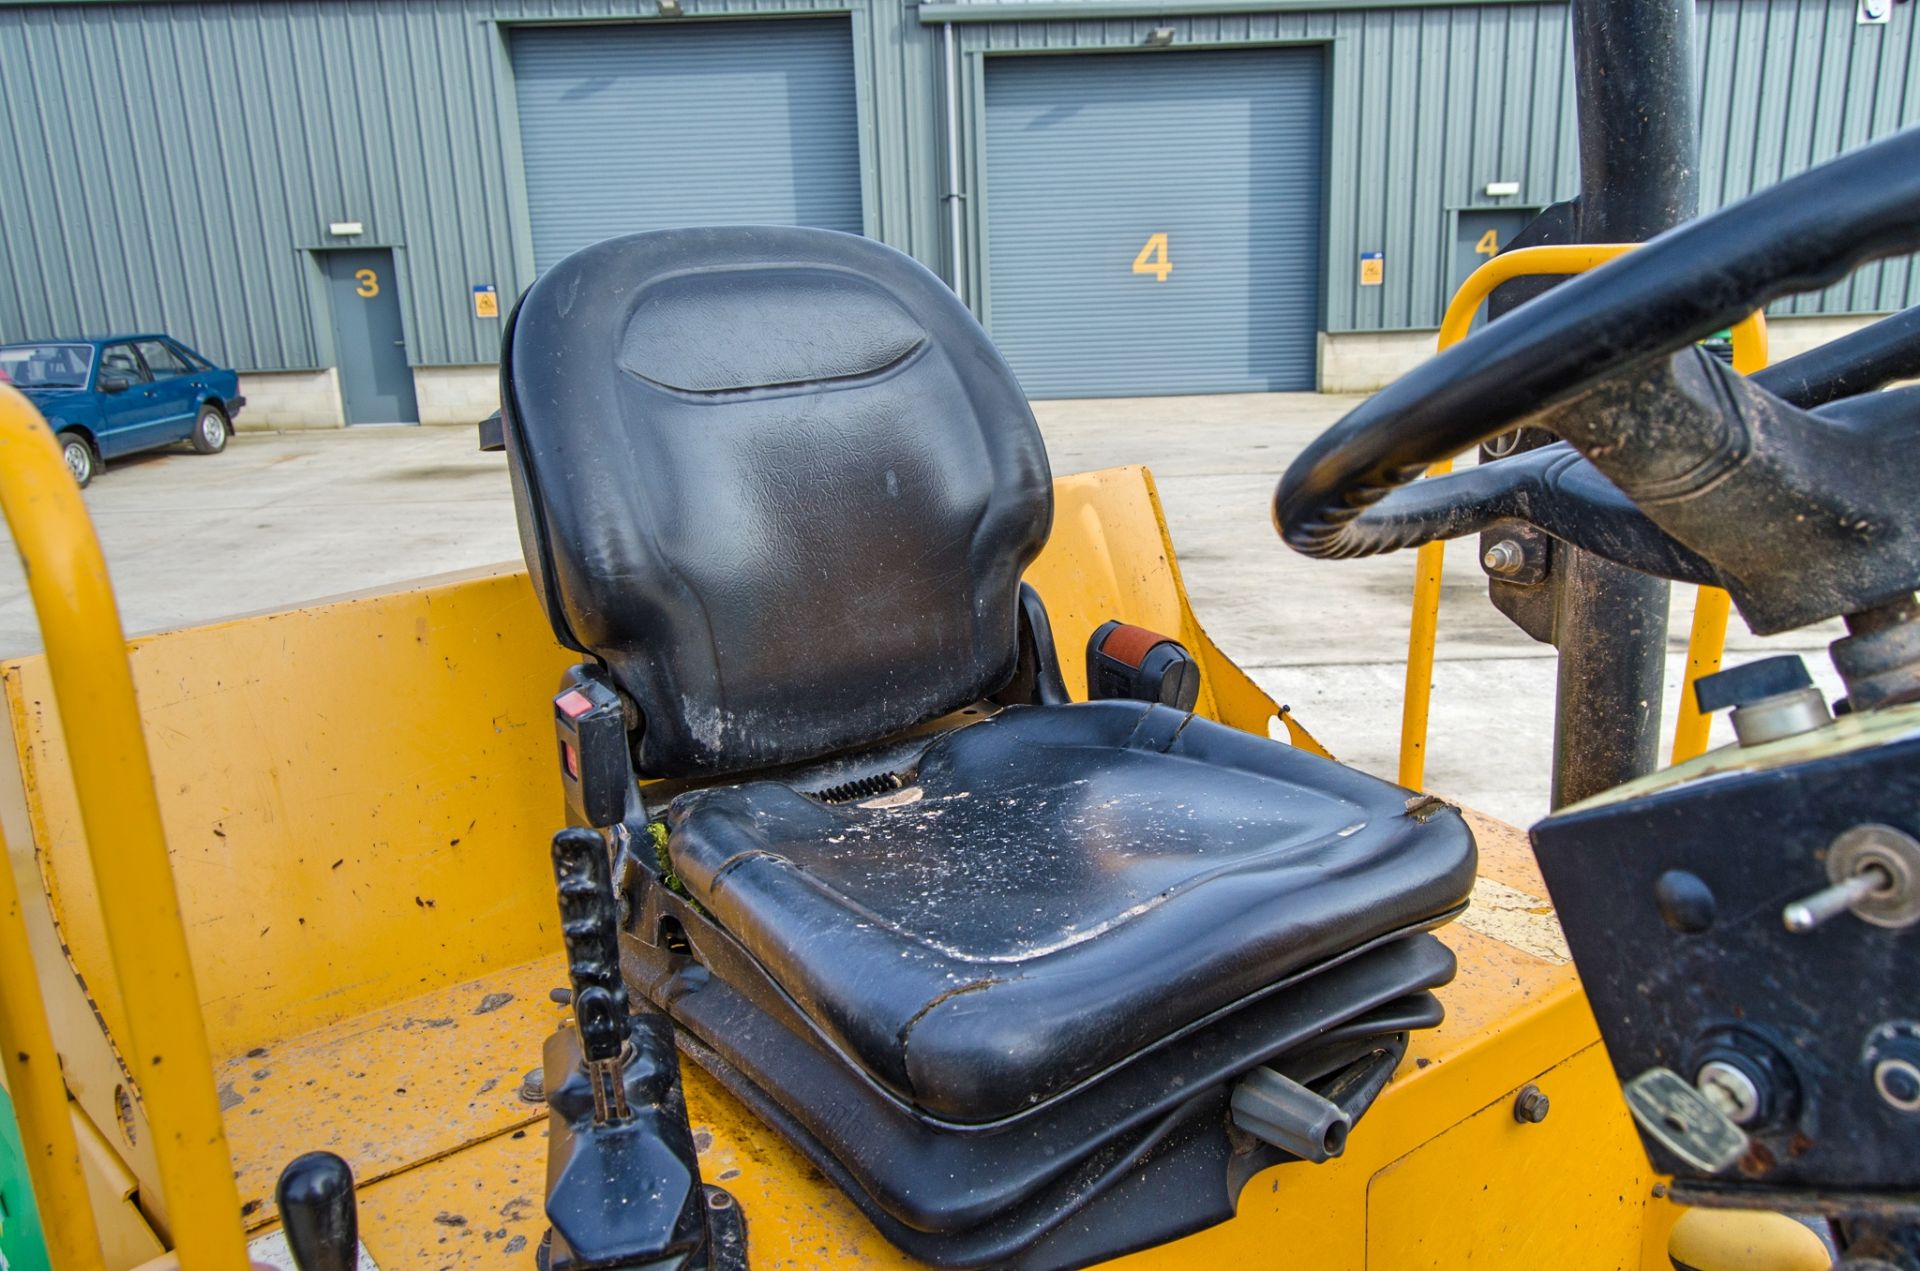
<point x="357" y="801"/>
<point x="126" y="1238"/>
<point x="413" y="1081"/>
<point x="1474" y="1195"/>
<point x="1745" y="1240"/>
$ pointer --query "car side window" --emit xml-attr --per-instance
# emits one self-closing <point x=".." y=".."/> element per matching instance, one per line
<point x="188" y="356"/>
<point x="119" y="359"/>
<point x="162" y="361"/>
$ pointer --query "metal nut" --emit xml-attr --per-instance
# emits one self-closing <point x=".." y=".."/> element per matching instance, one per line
<point x="533" y="1086"/>
<point x="1531" y="1105"/>
<point x="1504" y="557"/>
<point x="1898" y="1081"/>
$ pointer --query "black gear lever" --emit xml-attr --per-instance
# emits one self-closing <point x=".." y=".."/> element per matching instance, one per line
<point x="623" y="1176"/>
<point x="315" y="1196"/>
<point x="590" y="924"/>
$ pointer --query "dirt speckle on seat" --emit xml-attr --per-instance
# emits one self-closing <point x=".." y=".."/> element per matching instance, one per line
<point x="897" y="799"/>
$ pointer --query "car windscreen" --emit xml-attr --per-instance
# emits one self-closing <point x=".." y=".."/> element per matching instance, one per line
<point x="46" y="365"/>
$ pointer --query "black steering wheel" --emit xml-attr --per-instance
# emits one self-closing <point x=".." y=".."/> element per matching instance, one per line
<point x="1605" y="361"/>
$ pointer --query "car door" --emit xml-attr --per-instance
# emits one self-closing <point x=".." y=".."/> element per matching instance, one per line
<point x="175" y="390"/>
<point x="130" y="417"/>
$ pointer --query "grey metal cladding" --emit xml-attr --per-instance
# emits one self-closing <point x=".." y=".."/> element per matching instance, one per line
<point x="709" y="123"/>
<point x="1154" y="221"/>
<point x="204" y="148"/>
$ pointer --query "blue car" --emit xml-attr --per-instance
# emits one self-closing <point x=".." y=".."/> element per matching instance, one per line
<point x="117" y="395"/>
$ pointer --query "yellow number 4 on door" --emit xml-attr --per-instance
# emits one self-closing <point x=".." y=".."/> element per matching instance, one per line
<point x="1154" y="258"/>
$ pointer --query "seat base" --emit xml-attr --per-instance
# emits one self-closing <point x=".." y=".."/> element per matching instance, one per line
<point x="1047" y="894"/>
<point x="1055" y="1187"/>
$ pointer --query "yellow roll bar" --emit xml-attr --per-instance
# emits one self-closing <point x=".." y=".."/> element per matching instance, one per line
<point x="166" y="1040"/>
<point x="40" y="1094"/>
<point x="1708" y="639"/>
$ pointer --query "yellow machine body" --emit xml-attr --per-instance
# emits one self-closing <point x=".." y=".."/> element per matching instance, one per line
<point x="355" y="798"/>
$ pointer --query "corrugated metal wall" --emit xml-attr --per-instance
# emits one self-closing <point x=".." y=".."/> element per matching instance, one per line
<point x="204" y="148"/>
<point x="1428" y="105"/>
<point x="1786" y="84"/>
<point x="764" y="128"/>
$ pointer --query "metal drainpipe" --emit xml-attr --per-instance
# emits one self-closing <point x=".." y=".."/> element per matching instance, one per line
<point x="1639" y="175"/>
<point x="955" y="279"/>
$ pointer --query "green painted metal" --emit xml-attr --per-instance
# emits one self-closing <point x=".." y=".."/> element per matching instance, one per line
<point x="176" y="165"/>
<point x="23" y="1247"/>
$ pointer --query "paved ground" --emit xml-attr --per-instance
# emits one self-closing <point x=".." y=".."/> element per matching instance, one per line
<point x="281" y="519"/>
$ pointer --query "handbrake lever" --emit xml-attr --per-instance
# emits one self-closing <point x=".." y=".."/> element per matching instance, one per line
<point x="1553" y="488"/>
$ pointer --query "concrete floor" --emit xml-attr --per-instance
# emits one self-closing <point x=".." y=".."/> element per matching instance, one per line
<point x="280" y="519"/>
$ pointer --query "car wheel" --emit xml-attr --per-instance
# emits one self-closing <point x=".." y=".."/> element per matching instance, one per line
<point x="209" y="436"/>
<point x="78" y="452"/>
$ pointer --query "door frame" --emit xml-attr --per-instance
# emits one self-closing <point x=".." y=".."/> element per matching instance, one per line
<point x="320" y="291"/>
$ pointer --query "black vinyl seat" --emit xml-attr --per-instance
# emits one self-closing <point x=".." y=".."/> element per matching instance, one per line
<point x="1060" y="888"/>
<point x="780" y="488"/>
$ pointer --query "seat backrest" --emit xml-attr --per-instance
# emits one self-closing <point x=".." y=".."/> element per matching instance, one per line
<point x="778" y="480"/>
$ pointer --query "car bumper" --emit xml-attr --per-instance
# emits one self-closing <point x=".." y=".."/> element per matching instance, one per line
<point x="234" y="404"/>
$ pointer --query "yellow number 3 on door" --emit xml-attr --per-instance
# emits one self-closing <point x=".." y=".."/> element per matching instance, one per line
<point x="369" y="282"/>
<point x="1154" y="258"/>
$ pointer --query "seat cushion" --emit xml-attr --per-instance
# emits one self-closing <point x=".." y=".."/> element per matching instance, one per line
<point x="1059" y="889"/>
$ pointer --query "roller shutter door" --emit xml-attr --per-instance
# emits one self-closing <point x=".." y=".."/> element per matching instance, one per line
<point x="631" y="127"/>
<point x="1154" y="220"/>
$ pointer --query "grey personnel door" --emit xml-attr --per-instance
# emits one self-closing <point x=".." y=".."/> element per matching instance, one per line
<point x="371" y="346"/>
<point x="1154" y="220"/>
<point x="1480" y="234"/>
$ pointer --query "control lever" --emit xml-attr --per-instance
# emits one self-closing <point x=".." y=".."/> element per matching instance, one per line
<point x="1873" y="872"/>
<point x="317" y="1214"/>
<point x="1125" y="661"/>
<point x="623" y="1175"/>
<point x="1803" y="916"/>
<point x="589" y="925"/>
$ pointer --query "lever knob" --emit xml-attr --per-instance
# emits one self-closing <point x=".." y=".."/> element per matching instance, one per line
<point x="1803" y="916"/>
<point x="315" y="1195"/>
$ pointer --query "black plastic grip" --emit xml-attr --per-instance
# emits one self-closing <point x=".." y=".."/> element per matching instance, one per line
<point x="590" y="926"/>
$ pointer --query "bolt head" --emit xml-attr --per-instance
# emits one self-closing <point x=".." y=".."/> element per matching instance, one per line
<point x="533" y="1086"/>
<point x="1531" y="1105"/>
